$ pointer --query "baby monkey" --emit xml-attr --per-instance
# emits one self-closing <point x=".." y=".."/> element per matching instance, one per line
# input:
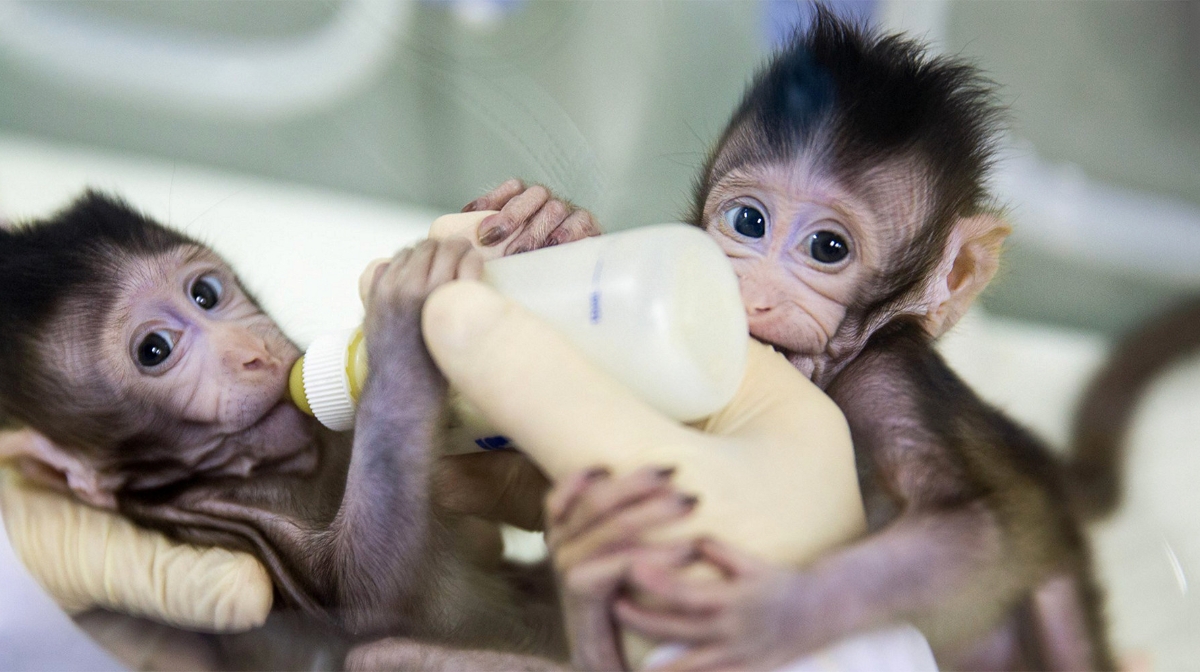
<point x="158" y="383"/>
<point x="848" y="190"/>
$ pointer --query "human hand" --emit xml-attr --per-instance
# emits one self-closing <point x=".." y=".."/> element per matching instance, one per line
<point x="596" y="527"/>
<point x="529" y="218"/>
<point x="774" y="469"/>
<point x="87" y="558"/>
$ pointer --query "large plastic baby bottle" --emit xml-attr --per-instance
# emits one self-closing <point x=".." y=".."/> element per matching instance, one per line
<point x="657" y="308"/>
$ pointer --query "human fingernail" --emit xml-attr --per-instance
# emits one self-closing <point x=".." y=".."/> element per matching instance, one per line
<point x="472" y="206"/>
<point x="664" y="473"/>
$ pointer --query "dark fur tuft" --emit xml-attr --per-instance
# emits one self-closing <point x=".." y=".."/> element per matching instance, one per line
<point x="856" y="100"/>
<point x="869" y="98"/>
<point x="43" y="264"/>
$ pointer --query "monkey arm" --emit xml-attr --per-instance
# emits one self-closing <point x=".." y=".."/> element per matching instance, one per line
<point x="960" y="496"/>
<point x="382" y="539"/>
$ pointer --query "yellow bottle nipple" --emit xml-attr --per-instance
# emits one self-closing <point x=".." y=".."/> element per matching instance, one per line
<point x="327" y="381"/>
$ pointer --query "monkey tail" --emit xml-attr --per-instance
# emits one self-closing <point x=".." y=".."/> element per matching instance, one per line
<point x="1106" y="412"/>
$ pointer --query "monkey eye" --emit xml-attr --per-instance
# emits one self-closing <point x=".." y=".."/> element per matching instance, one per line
<point x="154" y="349"/>
<point x="747" y="221"/>
<point x="828" y="247"/>
<point x="206" y="292"/>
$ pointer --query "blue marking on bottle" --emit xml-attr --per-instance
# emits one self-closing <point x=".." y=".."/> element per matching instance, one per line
<point x="493" y="442"/>
<point x="594" y="298"/>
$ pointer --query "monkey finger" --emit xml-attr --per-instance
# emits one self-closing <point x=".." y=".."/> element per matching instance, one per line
<point x="604" y="498"/>
<point x="470" y="267"/>
<point x="666" y="625"/>
<point x="566" y="493"/>
<point x="578" y="225"/>
<point x="370" y="276"/>
<point x="415" y="267"/>
<point x="448" y="255"/>
<point x="595" y="579"/>
<point x="384" y="269"/>
<point x="496" y="198"/>
<point x="514" y="214"/>
<point x="655" y="578"/>
<point x="535" y="234"/>
<point x="730" y="561"/>
<point x="624" y="529"/>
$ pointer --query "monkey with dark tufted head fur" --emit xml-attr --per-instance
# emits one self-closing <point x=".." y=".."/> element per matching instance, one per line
<point x="159" y="383"/>
<point x="848" y="190"/>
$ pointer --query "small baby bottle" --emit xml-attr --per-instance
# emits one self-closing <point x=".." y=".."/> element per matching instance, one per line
<point x="657" y="308"/>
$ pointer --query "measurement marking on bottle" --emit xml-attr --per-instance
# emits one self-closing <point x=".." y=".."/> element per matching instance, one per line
<point x="493" y="442"/>
<point x="594" y="298"/>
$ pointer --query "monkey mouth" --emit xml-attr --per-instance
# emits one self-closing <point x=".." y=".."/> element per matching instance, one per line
<point x="804" y="362"/>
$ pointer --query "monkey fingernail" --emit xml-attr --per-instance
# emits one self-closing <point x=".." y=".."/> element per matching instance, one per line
<point x="596" y="473"/>
<point x="492" y="235"/>
<point x="472" y="206"/>
<point x="664" y="473"/>
<point x="688" y="502"/>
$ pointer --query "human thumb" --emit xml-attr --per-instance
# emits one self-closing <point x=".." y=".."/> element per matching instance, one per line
<point x="536" y="387"/>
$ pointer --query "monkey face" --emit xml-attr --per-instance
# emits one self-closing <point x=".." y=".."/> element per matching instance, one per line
<point x="804" y="249"/>
<point x="185" y="339"/>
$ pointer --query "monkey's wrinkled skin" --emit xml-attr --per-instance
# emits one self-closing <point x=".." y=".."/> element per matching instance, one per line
<point x="849" y="192"/>
<point x="157" y="384"/>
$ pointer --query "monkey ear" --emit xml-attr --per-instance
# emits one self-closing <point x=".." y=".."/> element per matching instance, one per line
<point x="970" y="260"/>
<point x="47" y="463"/>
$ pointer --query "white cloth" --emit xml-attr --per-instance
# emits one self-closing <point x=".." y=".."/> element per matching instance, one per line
<point x="897" y="649"/>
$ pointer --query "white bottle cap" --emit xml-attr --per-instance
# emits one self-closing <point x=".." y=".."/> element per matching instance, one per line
<point x="326" y="385"/>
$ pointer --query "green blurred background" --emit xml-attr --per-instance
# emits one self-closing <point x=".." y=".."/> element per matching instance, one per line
<point x="614" y="103"/>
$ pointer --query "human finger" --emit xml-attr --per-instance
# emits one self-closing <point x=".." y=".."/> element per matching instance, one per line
<point x="483" y="342"/>
<point x="88" y="558"/>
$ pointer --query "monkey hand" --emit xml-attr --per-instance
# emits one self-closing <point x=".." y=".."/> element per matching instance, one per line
<point x="754" y="615"/>
<point x="774" y="469"/>
<point x="394" y="292"/>
<point x="87" y="558"/>
<point x="595" y="529"/>
<point x="529" y="218"/>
